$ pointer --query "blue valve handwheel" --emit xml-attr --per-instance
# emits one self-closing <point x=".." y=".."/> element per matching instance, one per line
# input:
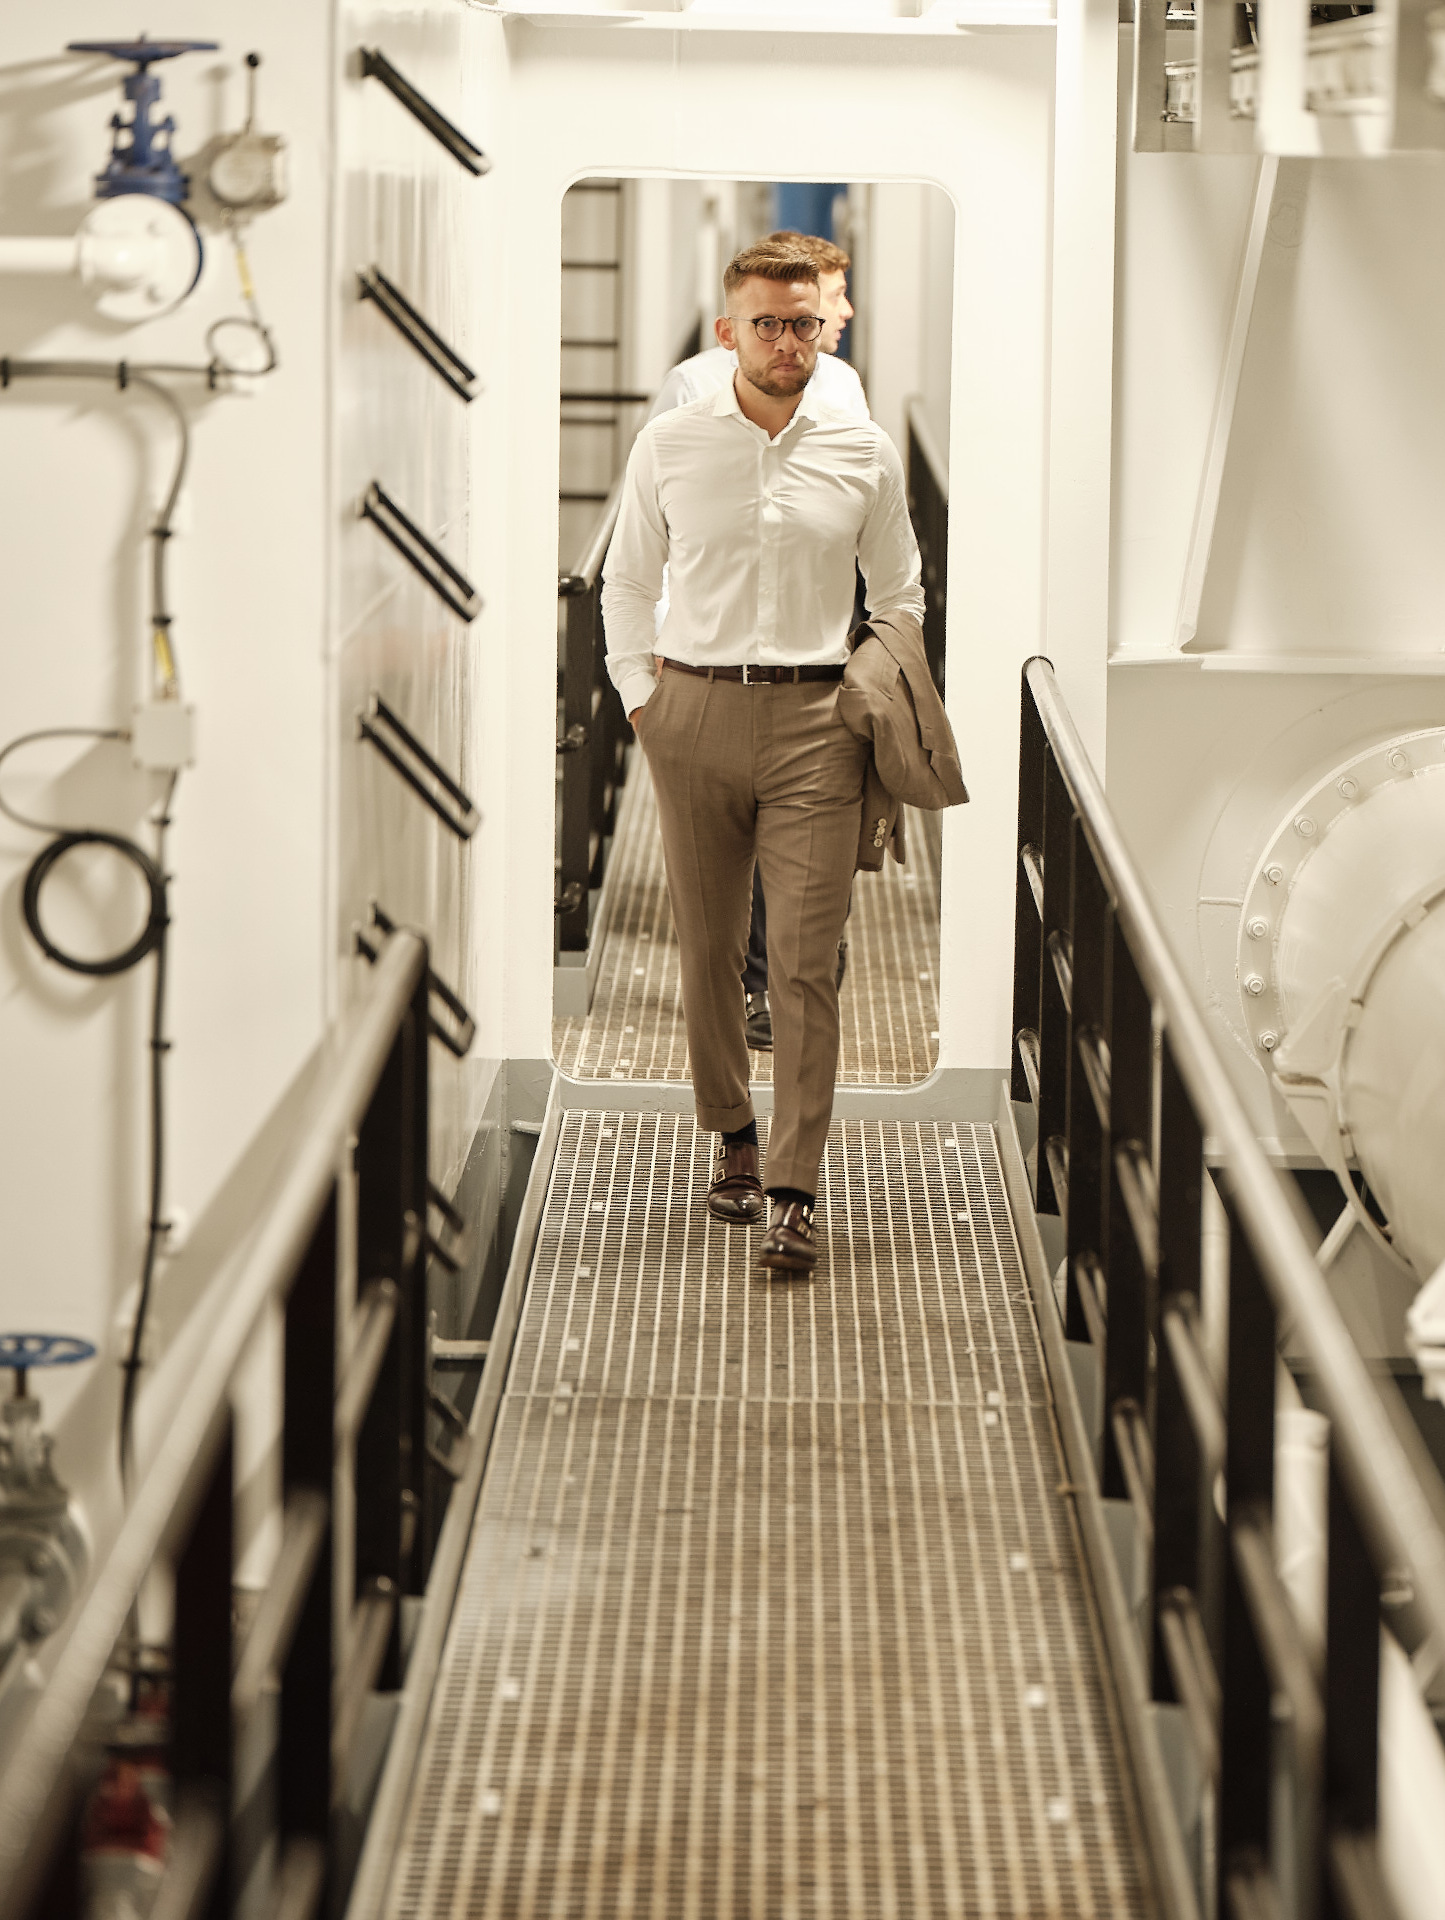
<point x="26" y="1350"/>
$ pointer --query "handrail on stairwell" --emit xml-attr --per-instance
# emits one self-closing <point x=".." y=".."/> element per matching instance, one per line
<point x="1395" y="1509"/>
<point x="35" y="1782"/>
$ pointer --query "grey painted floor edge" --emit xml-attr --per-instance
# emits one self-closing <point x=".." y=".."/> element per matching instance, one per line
<point x="774" y="1603"/>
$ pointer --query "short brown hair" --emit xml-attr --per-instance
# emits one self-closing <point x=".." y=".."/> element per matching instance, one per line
<point x="769" y="260"/>
<point x="824" y="255"/>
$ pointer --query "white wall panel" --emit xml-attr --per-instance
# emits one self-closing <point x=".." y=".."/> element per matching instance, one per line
<point x="82" y="473"/>
<point x="969" y="112"/>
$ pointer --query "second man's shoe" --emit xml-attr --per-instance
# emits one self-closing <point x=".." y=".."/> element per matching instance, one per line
<point x="791" y="1245"/>
<point x="759" y="1027"/>
<point x="736" y="1194"/>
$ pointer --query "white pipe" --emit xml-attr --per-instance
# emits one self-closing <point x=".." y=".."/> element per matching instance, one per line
<point x="36" y="253"/>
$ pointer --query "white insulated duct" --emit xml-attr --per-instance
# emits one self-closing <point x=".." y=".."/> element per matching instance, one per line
<point x="1341" y="967"/>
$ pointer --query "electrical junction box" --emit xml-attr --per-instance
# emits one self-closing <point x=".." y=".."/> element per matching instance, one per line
<point x="248" y="173"/>
<point x="163" y="736"/>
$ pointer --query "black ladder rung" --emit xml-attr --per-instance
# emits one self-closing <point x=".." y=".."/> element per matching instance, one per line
<point x="378" y="721"/>
<point x="423" y="556"/>
<point x="418" y="332"/>
<point x="376" y="66"/>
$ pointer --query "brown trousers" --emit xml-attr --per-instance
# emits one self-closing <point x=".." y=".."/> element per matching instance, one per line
<point x="768" y="773"/>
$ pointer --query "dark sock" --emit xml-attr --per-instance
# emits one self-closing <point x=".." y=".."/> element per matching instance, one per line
<point x="744" y="1137"/>
<point x="783" y="1195"/>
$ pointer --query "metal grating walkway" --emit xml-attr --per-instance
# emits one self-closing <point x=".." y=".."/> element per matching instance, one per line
<point x="889" y="1001"/>
<point x="773" y="1605"/>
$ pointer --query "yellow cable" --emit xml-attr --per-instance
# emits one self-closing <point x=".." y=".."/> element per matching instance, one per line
<point x="165" y="659"/>
<point x="243" y="270"/>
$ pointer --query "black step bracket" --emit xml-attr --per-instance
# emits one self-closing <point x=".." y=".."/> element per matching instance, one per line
<point x="446" y="581"/>
<point x="466" y="153"/>
<point x="450" y="1242"/>
<point x="418" y="332"/>
<point x="456" y="1039"/>
<point x="379" y="725"/>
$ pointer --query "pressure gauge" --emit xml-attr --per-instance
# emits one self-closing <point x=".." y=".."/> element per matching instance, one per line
<point x="248" y="173"/>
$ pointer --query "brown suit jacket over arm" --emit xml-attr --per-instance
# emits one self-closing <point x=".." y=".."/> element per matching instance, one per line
<point x="888" y="699"/>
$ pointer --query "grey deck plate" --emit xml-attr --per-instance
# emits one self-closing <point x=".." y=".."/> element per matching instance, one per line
<point x="773" y="1605"/>
<point x="889" y="1002"/>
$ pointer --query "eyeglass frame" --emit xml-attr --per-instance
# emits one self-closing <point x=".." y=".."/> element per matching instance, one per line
<point x="773" y="319"/>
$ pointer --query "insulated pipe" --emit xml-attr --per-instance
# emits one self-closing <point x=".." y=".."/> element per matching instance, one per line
<point x="1341" y="968"/>
<point x="138" y="255"/>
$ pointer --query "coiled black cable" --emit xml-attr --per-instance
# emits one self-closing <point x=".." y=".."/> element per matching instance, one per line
<point x="151" y="939"/>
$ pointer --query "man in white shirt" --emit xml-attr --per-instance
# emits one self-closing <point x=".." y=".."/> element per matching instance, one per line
<point x="835" y="382"/>
<point x="833" y="379"/>
<point x="759" y="501"/>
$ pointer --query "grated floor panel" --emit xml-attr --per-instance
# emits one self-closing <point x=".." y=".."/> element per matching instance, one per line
<point x="889" y="1001"/>
<point x="773" y="1605"/>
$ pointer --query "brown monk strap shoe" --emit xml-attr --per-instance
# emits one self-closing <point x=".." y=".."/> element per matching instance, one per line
<point x="736" y="1194"/>
<point x="791" y="1245"/>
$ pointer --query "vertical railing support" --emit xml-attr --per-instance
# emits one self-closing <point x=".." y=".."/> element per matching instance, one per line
<point x="1247" y="1726"/>
<point x="305" y="1785"/>
<point x="201" y="1665"/>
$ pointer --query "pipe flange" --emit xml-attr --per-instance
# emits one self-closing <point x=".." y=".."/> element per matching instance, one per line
<point x="1296" y="842"/>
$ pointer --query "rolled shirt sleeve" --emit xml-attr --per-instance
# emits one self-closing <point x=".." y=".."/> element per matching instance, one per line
<point x="632" y="582"/>
<point x="887" y="550"/>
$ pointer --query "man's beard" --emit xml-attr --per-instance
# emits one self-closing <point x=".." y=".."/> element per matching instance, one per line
<point x="781" y="385"/>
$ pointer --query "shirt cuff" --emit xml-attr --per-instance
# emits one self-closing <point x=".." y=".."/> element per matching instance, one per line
<point x="636" y="690"/>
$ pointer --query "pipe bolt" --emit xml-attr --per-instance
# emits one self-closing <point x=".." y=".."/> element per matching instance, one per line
<point x="1254" y="984"/>
<point x="1257" y="928"/>
<point x="40" y="1560"/>
<point x="1399" y="760"/>
<point x="43" y="1621"/>
<point x="1269" y="1040"/>
<point x="1305" y="827"/>
<point x="1274" y="874"/>
<point x="1348" y="787"/>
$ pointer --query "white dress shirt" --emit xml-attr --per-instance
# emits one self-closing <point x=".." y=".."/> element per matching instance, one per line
<point x="759" y="537"/>
<point x="833" y="380"/>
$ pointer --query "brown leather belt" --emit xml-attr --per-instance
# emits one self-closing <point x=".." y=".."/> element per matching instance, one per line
<point x="759" y="676"/>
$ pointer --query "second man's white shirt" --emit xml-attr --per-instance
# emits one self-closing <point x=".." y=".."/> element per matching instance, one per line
<point x="833" y="381"/>
<point x="759" y="537"/>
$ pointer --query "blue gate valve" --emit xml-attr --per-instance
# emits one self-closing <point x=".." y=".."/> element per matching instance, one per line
<point x="141" y="165"/>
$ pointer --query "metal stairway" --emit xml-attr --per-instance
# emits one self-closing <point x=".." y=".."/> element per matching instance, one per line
<point x="774" y="1602"/>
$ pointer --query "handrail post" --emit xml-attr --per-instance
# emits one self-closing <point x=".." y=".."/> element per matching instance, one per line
<point x="1247" y="1722"/>
<point x="1090" y="941"/>
<point x="578" y="748"/>
<point x="1182" y="1504"/>
<point x="1028" y="917"/>
<point x="1131" y="1285"/>
<point x="201" y="1661"/>
<point x="305" y="1788"/>
<point x="1053" y="1010"/>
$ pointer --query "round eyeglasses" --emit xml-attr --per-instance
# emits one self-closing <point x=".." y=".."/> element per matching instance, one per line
<point x="806" y="327"/>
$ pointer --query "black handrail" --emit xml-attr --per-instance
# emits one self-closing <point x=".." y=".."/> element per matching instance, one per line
<point x="446" y="580"/>
<point x="463" y="821"/>
<point x="367" y="1108"/>
<point x="1128" y="1084"/>
<point x="418" y="332"/>
<point x="457" y="1040"/>
<point x="593" y="736"/>
<point x="376" y="66"/>
<point x="926" y="479"/>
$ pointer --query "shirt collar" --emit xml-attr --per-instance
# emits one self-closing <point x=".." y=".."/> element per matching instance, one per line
<point x="809" y="407"/>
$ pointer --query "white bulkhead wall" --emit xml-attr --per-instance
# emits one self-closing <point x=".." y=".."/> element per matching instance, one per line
<point x="969" y="112"/>
<point x="288" y="612"/>
<point x="83" y="472"/>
